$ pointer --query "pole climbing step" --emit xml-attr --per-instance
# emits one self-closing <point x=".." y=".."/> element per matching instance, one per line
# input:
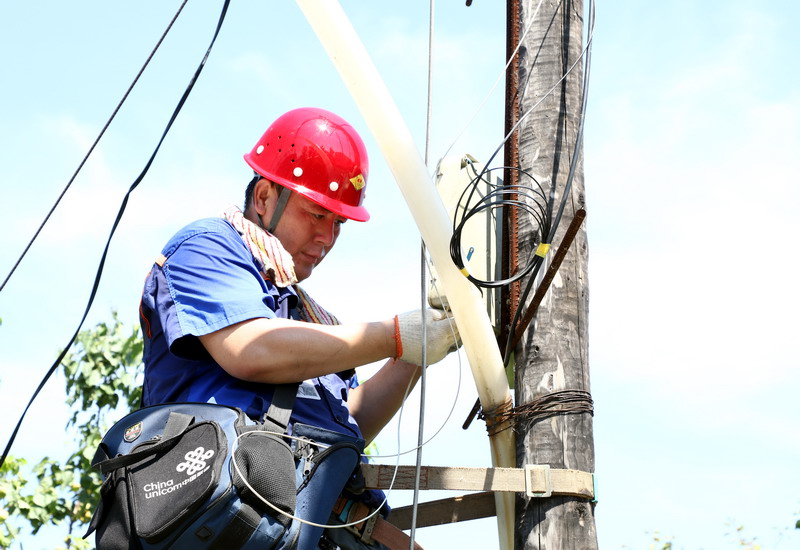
<point x="536" y="481"/>
<point x="444" y="511"/>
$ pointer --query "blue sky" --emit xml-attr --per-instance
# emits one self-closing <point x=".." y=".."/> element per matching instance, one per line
<point x="690" y="164"/>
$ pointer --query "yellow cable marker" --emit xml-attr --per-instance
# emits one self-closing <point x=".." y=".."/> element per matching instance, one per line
<point x="543" y="249"/>
<point x="464" y="272"/>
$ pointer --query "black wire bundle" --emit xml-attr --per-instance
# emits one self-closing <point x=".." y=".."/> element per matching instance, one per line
<point x="528" y="198"/>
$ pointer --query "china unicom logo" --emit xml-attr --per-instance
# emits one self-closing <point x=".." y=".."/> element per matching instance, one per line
<point x="195" y="461"/>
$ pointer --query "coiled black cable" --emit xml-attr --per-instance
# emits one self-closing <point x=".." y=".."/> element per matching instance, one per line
<point x="529" y="199"/>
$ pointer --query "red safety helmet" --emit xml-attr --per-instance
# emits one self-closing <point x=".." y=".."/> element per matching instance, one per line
<point x="317" y="154"/>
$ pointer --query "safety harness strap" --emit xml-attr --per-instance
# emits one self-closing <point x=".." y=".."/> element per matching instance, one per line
<point x="280" y="409"/>
<point x="392" y="537"/>
<point x="373" y="528"/>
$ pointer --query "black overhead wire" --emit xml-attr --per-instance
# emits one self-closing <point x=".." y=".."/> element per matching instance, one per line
<point x="133" y="186"/>
<point x="91" y="149"/>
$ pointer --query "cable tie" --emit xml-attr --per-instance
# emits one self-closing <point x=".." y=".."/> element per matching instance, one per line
<point x="542" y="249"/>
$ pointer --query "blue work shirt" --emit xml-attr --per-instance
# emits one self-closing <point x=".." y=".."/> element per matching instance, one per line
<point x="206" y="279"/>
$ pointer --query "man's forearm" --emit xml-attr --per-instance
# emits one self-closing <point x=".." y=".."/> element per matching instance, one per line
<point x="278" y="351"/>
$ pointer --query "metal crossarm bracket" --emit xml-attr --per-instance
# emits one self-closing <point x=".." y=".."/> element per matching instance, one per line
<point x="537" y="476"/>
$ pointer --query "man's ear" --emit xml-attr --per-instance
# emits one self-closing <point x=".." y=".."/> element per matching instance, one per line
<point x="264" y="195"/>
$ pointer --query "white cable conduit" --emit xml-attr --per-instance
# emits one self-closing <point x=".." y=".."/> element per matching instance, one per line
<point x="365" y="84"/>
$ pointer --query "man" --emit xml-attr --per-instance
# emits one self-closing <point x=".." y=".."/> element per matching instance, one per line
<point x="224" y="320"/>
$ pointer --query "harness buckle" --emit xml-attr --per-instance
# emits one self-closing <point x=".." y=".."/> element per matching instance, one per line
<point x="351" y="511"/>
<point x="537" y="475"/>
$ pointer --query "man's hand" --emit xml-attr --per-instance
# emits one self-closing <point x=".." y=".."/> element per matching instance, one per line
<point x="441" y="331"/>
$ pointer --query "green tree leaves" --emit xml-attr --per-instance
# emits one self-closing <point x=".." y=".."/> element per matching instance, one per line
<point x="102" y="372"/>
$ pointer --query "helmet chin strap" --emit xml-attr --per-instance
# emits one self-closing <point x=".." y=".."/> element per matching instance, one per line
<point x="280" y="206"/>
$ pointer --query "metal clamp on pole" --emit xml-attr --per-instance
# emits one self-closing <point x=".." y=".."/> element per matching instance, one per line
<point x="536" y="477"/>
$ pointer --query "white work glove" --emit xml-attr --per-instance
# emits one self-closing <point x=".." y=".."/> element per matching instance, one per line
<point x="442" y="336"/>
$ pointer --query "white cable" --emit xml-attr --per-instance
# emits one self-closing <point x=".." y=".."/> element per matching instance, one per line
<point x="423" y="298"/>
<point x="325" y="446"/>
<point x="584" y="53"/>
<point x="274" y="435"/>
<point x="449" y="414"/>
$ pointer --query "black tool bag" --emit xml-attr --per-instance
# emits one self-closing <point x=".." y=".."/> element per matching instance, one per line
<point x="169" y="481"/>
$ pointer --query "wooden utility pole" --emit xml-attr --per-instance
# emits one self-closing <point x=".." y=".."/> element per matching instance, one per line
<point x="552" y="356"/>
